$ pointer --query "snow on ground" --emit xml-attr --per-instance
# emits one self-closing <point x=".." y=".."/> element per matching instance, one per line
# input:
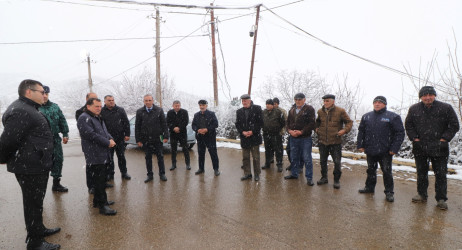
<point x="456" y="176"/>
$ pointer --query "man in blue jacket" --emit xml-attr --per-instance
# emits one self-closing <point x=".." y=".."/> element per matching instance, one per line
<point x="205" y="124"/>
<point x="380" y="135"/>
<point x="96" y="142"/>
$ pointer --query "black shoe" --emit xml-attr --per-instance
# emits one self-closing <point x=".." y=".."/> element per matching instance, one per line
<point x="323" y="180"/>
<point x="57" y="187"/>
<point x="289" y="168"/>
<point x="51" y="231"/>
<point x="266" y="166"/>
<point x="200" y="171"/>
<point x="217" y="172"/>
<point x="257" y="178"/>
<point x="242" y="167"/>
<point x="163" y="177"/>
<point x="148" y="179"/>
<point x="91" y="191"/>
<point x="279" y="168"/>
<point x="310" y="182"/>
<point x="246" y="177"/>
<point x="390" y="198"/>
<point x="290" y="177"/>
<point x="126" y="176"/>
<point x="110" y="177"/>
<point x="188" y="167"/>
<point x="366" y="191"/>
<point x="272" y="160"/>
<point x="107" y="210"/>
<point x="109" y="185"/>
<point x="173" y="167"/>
<point x="108" y="203"/>
<point x="337" y="184"/>
<point x="42" y="245"/>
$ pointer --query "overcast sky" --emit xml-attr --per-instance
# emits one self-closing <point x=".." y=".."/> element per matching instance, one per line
<point x="392" y="32"/>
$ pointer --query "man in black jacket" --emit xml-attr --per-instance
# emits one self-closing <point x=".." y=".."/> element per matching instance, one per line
<point x="249" y="121"/>
<point x="118" y="126"/>
<point x="26" y="146"/>
<point x="96" y="142"/>
<point x="150" y="134"/>
<point x="431" y="125"/>
<point x="273" y="122"/>
<point x="300" y="123"/>
<point x="177" y="120"/>
<point x="380" y="135"/>
<point x="205" y="124"/>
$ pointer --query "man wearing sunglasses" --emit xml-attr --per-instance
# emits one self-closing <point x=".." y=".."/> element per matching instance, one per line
<point x="26" y="146"/>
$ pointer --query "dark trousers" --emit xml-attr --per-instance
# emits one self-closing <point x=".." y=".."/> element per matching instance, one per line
<point x="157" y="148"/>
<point x="255" y="150"/>
<point x="58" y="158"/>
<point x="335" y="152"/>
<point x="33" y="189"/>
<point x="211" y="145"/>
<point x="89" y="176"/>
<point x="273" y="145"/>
<point x="98" y="173"/>
<point x="174" y="140"/>
<point x="440" y="168"/>
<point x="385" y="164"/>
<point x="120" y="152"/>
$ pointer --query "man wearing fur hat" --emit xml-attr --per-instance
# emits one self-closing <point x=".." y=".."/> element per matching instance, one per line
<point x="380" y="135"/>
<point x="430" y="125"/>
<point x="331" y="124"/>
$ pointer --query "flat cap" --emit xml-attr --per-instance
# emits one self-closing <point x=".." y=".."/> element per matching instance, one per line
<point x="299" y="96"/>
<point x="245" y="96"/>
<point x="46" y="89"/>
<point x="202" y="102"/>
<point x="329" y="96"/>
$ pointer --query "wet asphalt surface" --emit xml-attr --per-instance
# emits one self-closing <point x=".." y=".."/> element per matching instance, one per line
<point x="208" y="212"/>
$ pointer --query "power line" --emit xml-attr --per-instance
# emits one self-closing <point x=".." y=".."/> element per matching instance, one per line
<point x="138" y="64"/>
<point x="178" y="5"/>
<point x="347" y="52"/>
<point x="93" y="40"/>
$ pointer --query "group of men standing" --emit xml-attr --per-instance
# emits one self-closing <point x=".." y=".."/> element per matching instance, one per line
<point x="30" y="144"/>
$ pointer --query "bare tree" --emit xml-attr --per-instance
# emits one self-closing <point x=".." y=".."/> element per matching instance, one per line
<point x="346" y="96"/>
<point x="285" y="85"/>
<point x="131" y="90"/>
<point x="451" y="80"/>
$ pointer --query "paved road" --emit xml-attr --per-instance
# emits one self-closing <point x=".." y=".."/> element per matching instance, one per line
<point x="208" y="212"/>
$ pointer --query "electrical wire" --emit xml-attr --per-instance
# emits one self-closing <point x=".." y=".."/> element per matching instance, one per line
<point x="347" y="52"/>
<point x="224" y="63"/>
<point x="144" y="61"/>
<point x="93" y="40"/>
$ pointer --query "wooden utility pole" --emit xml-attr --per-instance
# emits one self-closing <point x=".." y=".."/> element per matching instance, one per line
<point x="214" y="59"/>
<point x="158" y="83"/>
<point x="90" y="81"/>
<point x="253" y="50"/>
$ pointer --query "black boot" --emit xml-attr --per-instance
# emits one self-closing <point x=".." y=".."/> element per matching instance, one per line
<point x="41" y="244"/>
<point x="57" y="186"/>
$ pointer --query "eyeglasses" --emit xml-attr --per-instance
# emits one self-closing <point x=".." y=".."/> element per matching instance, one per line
<point x="41" y="91"/>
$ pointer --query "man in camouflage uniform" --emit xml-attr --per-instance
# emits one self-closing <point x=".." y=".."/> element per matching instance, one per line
<point x="58" y="125"/>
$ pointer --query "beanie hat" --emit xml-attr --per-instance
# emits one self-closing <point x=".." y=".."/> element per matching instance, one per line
<point x="381" y="99"/>
<point x="427" y="90"/>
